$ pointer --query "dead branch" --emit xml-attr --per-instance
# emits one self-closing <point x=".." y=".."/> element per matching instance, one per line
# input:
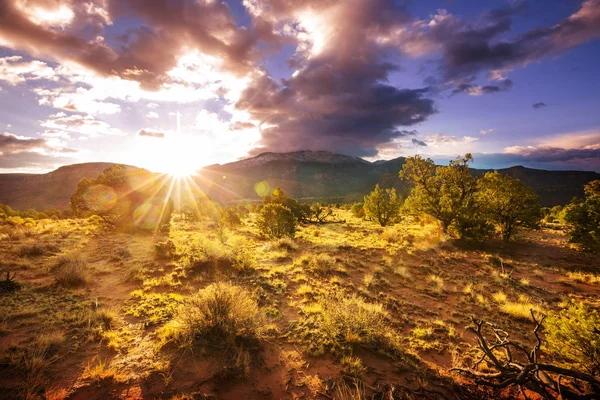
<point x="526" y="372"/>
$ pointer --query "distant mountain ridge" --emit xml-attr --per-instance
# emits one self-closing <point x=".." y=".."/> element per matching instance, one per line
<point x="46" y="191"/>
<point x="302" y="174"/>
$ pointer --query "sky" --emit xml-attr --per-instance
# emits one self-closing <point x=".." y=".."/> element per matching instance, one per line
<point x="174" y="85"/>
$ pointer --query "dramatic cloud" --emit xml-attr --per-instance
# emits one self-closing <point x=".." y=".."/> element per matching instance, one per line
<point x="144" y="53"/>
<point x="580" y="150"/>
<point x="468" y="52"/>
<point x="418" y="142"/>
<point x="539" y="105"/>
<point x="338" y="98"/>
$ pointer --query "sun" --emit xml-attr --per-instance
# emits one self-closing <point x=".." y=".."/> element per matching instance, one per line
<point x="177" y="155"/>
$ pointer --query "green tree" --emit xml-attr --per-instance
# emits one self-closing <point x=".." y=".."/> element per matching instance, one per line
<point x="276" y="221"/>
<point x="279" y="197"/>
<point x="443" y="192"/>
<point x="508" y="203"/>
<point x="124" y="198"/>
<point x="572" y="336"/>
<point x="584" y="218"/>
<point x="382" y="205"/>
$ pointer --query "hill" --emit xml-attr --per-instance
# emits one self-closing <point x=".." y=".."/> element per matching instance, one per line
<point x="306" y="174"/>
<point x="46" y="191"/>
<point x="302" y="174"/>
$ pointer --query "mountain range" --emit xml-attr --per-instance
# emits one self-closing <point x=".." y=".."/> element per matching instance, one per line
<point x="308" y="175"/>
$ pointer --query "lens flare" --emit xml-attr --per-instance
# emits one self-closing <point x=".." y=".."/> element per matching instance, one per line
<point x="262" y="188"/>
<point x="100" y="198"/>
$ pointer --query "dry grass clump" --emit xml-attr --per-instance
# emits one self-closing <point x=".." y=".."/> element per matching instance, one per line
<point x="352" y="366"/>
<point x="36" y="250"/>
<point x="285" y="243"/>
<point x="341" y="322"/>
<point x="218" y="315"/>
<point x="320" y="264"/>
<point x="70" y="271"/>
<point x="521" y="309"/>
<point x="582" y="277"/>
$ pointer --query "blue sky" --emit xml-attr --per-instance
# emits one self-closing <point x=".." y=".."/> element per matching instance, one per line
<point x="180" y="84"/>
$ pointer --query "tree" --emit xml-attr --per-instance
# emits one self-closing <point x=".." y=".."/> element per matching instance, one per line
<point x="584" y="218"/>
<point x="279" y="197"/>
<point x="508" y="203"/>
<point x="124" y="198"/>
<point x="573" y="337"/>
<point x="382" y="205"/>
<point x="443" y="192"/>
<point x="276" y="221"/>
<point x="318" y="212"/>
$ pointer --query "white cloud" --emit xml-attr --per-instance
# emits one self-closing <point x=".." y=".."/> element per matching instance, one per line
<point x="439" y="139"/>
<point x="63" y="125"/>
<point x="15" y="71"/>
<point x="486" y="131"/>
<point x="152" y="115"/>
<point x="152" y="105"/>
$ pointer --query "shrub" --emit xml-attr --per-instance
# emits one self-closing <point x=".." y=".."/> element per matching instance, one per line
<point x="285" y="243"/>
<point x="242" y="210"/>
<point x="348" y="321"/>
<point x="70" y="271"/>
<point x="218" y="315"/>
<point x="279" y="197"/>
<point x="572" y="337"/>
<point x="36" y="250"/>
<point x="443" y="192"/>
<point x="321" y="264"/>
<point x="382" y="206"/>
<point x="508" y="203"/>
<point x="276" y="221"/>
<point x="358" y="210"/>
<point x="584" y="218"/>
<point x="164" y="249"/>
<point x="229" y="217"/>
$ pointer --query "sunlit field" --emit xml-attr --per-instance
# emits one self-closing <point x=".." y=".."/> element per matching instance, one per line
<point x="346" y="309"/>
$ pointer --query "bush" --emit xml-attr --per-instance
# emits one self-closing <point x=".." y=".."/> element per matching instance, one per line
<point x="230" y="218"/>
<point x="584" y="218"/>
<point x="165" y="249"/>
<point x="572" y="337"/>
<point x="382" y="206"/>
<point x="276" y="221"/>
<point x="347" y="321"/>
<point x="70" y="271"/>
<point x="36" y="250"/>
<point x="219" y="315"/>
<point x="358" y="210"/>
<point x="321" y="264"/>
<point x="508" y="203"/>
<point x="242" y="211"/>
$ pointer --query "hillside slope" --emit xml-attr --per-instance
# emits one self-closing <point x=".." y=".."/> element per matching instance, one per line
<point x="303" y="174"/>
<point x="45" y="191"/>
<point x="326" y="175"/>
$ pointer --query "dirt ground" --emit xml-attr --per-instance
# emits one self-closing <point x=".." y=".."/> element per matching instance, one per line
<point x="100" y="338"/>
